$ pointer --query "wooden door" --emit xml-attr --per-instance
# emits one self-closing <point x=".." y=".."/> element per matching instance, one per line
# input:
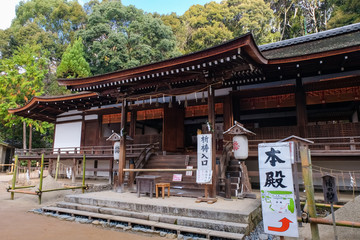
<point x="91" y="133"/>
<point x="173" y="131"/>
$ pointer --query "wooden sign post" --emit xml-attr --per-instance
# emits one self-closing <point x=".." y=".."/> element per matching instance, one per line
<point x="330" y="196"/>
<point x="204" y="171"/>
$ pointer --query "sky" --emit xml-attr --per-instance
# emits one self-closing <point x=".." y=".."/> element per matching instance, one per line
<point x="7" y="7"/>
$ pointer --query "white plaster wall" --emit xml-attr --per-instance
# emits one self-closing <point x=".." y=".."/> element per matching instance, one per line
<point x="91" y="117"/>
<point x="67" y="135"/>
<point x="70" y="118"/>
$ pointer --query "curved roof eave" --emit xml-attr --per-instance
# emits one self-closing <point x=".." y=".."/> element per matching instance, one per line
<point x="46" y="99"/>
<point x="246" y="42"/>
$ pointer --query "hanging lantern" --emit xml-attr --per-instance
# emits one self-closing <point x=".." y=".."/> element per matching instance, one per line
<point x="157" y="102"/>
<point x="240" y="147"/>
<point x="195" y="97"/>
<point x="240" y="140"/>
<point x="116" y="151"/>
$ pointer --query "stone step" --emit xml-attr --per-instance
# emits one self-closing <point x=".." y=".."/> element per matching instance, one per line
<point x="227" y="216"/>
<point x="153" y="224"/>
<point x="179" y="220"/>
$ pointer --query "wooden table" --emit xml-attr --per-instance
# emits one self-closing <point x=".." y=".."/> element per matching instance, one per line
<point x="146" y="184"/>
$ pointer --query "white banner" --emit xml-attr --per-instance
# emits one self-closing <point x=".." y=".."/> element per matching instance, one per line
<point x="204" y="159"/>
<point x="277" y="189"/>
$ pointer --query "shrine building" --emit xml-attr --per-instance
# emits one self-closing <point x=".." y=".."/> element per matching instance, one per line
<point x="307" y="86"/>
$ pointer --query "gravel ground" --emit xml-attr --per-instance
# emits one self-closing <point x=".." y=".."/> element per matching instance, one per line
<point x="258" y="234"/>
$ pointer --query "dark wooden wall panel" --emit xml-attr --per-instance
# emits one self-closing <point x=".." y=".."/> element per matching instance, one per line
<point x="173" y="131"/>
<point x="91" y="133"/>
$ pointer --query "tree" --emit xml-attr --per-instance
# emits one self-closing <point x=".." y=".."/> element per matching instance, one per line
<point x="345" y="12"/>
<point x="21" y="79"/>
<point x="253" y="16"/>
<point x="118" y="37"/>
<point x="289" y="19"/>
<point x="179" y="28"/>
<point x="215" y="23"/>
<point x="206" y="26"/>
<point x="73" y="63"/>
<point x="50" y="23"/>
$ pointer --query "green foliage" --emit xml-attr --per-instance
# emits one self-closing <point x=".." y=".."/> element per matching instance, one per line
<point x="215" y="23"/>
<point x="288" y="18"/>
<point x="51" y="23"/>
<point x="179" y="29"/>
<point x="73" y="63"/>
<point x="52" y="88"/>
<point x="207" y="26"/>
<point x="22" y="78"/>
<point x="345" y="12"/>
<point x="253" y="16"/>
<point x="118" y="37"/>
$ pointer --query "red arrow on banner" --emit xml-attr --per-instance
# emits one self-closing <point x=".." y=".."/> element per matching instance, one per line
<point x="285" y="226"/>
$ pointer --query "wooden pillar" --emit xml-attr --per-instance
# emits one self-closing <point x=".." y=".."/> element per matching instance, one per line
<point x="309" y="188"/>
<point x="50" y="170"/>
<point x="132" y="130"/>
<point x="211" y="119"/>
<point x="301" y="113"/>
<point x="228" y="112"/>
<point x="228" y="115"/>
<point x="30" y="137"/>
<point x="122" y="157"/>
<point x="24" y="136"/>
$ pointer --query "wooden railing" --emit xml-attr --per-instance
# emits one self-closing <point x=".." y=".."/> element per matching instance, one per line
<point x="145" y="155"/>
<point x="132" y="150"/>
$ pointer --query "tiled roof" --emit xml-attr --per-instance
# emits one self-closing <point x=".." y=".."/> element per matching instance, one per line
<point x="311" y="37"/>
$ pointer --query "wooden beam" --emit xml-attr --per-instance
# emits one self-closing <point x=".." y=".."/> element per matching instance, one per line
<point x="159" y="170"/>
<point x="122" y="157"/>
<point x="211" y="119"/>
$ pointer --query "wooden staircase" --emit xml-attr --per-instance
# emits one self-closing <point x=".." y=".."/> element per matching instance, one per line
<point x="234" y="171"/>
<point x="188" y="186"/>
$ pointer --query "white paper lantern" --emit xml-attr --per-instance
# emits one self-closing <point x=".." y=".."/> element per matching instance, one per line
<point x="116" y="150"/>
<point x="240" y="147"/>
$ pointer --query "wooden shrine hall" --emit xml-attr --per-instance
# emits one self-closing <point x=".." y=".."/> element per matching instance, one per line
<point x="306" y="86"/>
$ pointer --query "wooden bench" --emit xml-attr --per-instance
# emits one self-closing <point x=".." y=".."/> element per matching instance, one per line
<point x="162" y="186"/>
